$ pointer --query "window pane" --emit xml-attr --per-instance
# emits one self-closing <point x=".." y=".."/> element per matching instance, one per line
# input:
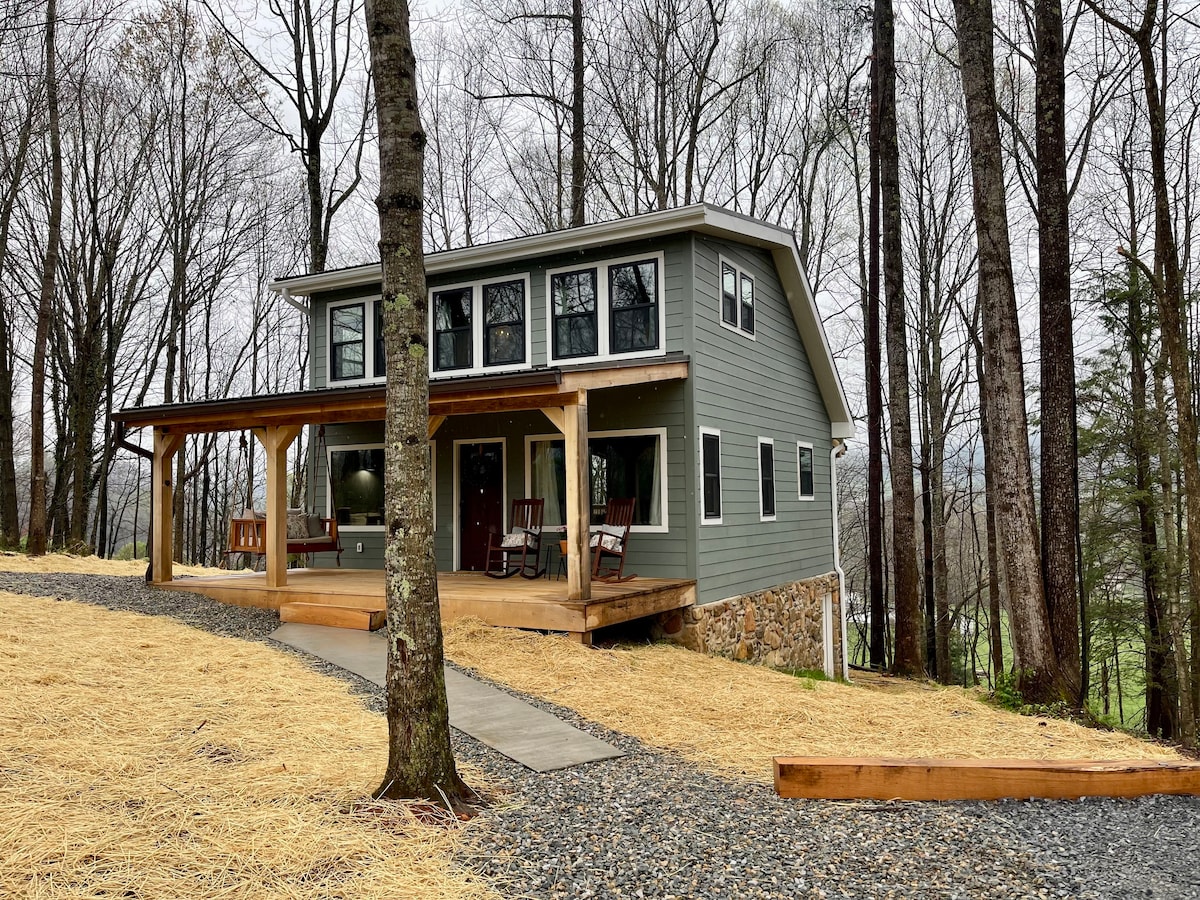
<point x="747" y="305"/>
<point x="356" y="479"/>
<point x="633" y="284"/>
<point x="346" y="324"/>
<point x="575" y="336"/>
<point x="711" y="465"/>
<point x="505" y="344"/>
<point x="805" y="463"/>
<point x="452" y="309"/>
<point x="574" y="292"/>
<point x="453" y="350"/>
<point x="504" y="302"/>
<point x="729" y="298"/>
<point x="634" y="329"/>
<point x="619" y="467"/>
<point x="548" y="472"/>
<point x="766" y="455"/>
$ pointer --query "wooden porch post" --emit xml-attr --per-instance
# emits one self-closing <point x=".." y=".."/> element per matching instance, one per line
<point x="275" y="440"/>
<point x="579" y="505"/>
<point x="162" y="493"/>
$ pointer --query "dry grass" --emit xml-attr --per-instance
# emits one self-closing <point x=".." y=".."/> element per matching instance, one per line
<point x="732" y="718"/>
<point x="88" y="565"/>
<point x="142" y="758"/>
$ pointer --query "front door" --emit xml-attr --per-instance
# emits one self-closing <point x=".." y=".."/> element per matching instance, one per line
<point x="480" y="500"/>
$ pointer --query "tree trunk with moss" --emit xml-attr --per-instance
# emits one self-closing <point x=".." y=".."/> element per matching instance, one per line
<point x="420" y="761"/>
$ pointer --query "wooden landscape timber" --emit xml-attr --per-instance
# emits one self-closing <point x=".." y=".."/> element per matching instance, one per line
<point x="860" y="778"/>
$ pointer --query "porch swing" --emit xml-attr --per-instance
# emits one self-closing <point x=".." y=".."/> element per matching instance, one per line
<point x="307" y="533"/>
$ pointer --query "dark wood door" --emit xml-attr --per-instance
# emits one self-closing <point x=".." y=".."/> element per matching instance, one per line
<point x="480" y="500"/>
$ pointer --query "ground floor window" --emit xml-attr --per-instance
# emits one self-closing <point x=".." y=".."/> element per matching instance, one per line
<point x="620" y="465"/>
<point x="766" y="478"/>
<point x="710" y="476"/>
<point x="356" y="484"/>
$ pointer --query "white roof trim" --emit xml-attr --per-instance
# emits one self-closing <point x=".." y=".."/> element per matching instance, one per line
<point x="699" y="217"/>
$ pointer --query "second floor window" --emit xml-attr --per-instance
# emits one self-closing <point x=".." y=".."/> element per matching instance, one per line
<point x="347" y="342"/>
<point x="737" y="298"/>
<point x="574" y="300"/>
<point x="452" y="329"/>
<point x="504" y="323"/>
<point x="633" y="306"/>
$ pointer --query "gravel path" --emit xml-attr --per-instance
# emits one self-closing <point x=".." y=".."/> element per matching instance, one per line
<point x="651" y="825"/>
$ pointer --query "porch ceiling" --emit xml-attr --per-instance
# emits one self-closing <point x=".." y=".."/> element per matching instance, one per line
<point x="537" y="389"/>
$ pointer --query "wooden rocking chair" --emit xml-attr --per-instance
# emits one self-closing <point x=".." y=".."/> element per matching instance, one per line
<point x="612" y="540"/>
<point x="525" y="540"/>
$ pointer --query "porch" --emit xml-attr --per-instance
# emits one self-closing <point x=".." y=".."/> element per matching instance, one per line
<point x="355" y="598"/>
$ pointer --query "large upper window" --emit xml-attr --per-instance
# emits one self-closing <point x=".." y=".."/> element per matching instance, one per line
<point x="737" y="298"/>
<point x="710" y="476"/>
<point x="574" y="298"/>
<point x="766" y="478"/>
<point x="479" y="327"/>
<point x="452" y="329"/>
<point x="620" y="465"/>
<point x="613" y="308"/>
<point x="347" y="342"/>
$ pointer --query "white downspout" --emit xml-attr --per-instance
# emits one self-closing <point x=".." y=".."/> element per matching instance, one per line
<point x="290" y="301"/>
<point x="839" y="447"/>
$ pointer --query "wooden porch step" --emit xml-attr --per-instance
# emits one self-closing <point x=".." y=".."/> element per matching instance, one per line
<point x="334" y="616"/>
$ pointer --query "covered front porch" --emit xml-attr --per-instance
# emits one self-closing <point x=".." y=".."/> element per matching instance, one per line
<point x="575" y="604"/>
<point x="355" y="599"/>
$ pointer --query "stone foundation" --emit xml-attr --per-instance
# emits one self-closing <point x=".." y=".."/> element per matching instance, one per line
<point x="779" y="627"/>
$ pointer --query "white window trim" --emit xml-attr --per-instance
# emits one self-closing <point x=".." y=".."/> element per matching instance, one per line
<point x="368" y="304"/>
<point x="805" y="445"/>
<point x="602" y="311"/>
<point x="329" y="511"/>
<point x="503" y="442"/>
<point x="477" y="366"/>
<point x="762" y="517"/>
<point x="739" y="273"/>
<point x="705" y="520"/>
<point x="662" y="528"/>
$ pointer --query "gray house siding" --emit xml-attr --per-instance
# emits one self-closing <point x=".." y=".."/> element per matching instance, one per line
<point x="663" y="555"/>
<point x="751" y="388"/>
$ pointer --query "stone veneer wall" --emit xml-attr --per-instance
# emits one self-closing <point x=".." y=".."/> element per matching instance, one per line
<point x="778" y="627"/>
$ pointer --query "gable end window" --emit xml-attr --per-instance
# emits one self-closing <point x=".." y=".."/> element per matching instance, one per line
<point x="804" y="471"/>
<point x="347" y="342"/>
<point x="633" y="306"/>
<point x="766" y="479"/>
<point x="737" y="298"/>
<point x="710" y="477"/>
<point x="574" y="299"/>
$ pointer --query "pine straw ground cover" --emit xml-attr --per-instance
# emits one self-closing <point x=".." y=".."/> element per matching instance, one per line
<point x="143" y="758"/>
<point x="89" y="565"/>
<point x="732" y="717"/>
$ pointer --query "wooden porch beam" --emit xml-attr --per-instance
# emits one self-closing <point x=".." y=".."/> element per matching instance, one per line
<point x="435" y="422"/>
<point x="275" y="440"/>
<point x="595" y="379"/>
<point x="162" y="494"/>
<point x="579" y="507"/>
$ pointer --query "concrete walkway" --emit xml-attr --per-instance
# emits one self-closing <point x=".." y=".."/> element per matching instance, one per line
<point x="521" y="732"/>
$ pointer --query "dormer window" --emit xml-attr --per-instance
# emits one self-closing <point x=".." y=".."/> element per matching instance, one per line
<point x="479" y="327"/>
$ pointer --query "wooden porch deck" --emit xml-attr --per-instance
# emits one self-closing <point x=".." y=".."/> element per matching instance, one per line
<point x="354" y="598"/>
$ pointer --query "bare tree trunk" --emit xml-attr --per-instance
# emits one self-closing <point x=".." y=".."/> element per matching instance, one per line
<point x="578" y="159"/>
<point x="36" y="544"/>
<point x="1004" y="389"/>
<point x="909" y="627"/>
<point x="420" y="761"/>
<point x="874" y="386"/>
<point x="1060" y="453"/>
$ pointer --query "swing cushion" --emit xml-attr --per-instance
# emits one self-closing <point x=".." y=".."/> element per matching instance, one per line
<point x="316" y="526"/>
<point x="297" y="524"/>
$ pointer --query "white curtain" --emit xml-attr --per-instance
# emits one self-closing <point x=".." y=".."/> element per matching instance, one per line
<point x="545" y="482"/>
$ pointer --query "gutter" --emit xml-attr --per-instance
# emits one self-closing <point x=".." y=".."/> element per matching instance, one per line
<point x="286" y="294"/>
<point x="839" y="448"/>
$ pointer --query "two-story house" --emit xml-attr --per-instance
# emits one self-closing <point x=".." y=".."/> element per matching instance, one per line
<point x="676" y="358"/>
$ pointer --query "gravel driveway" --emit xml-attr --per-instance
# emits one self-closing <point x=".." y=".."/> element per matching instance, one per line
<point x="651" y="825"/>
